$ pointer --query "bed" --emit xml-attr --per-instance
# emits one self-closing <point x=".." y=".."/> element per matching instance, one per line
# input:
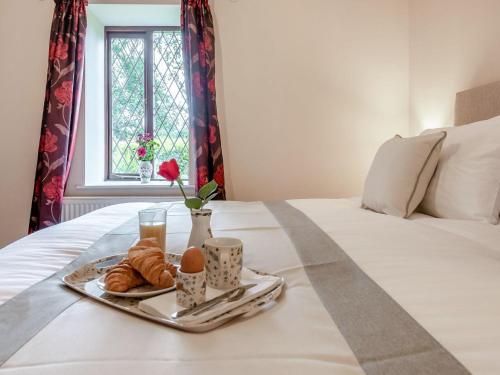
<point x="439" y="277"/>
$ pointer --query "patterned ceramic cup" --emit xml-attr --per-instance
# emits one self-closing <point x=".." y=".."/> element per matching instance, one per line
<point x="223" y="262"/>
<point x="190" y="288"/>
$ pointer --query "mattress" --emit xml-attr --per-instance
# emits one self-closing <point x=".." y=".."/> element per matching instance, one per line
<point x="444" y="273"/>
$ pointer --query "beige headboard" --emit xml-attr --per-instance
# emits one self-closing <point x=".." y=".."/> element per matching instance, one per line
<point x="480" y="103"/>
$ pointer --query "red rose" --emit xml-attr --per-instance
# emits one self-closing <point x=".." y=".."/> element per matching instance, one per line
<point x="202" y="176"/>
<point x="198" y="90"/>
<point x="211" y="86"/>
<point x="48" y="142"/>
<point x="54" y="189"/>
<point x="169" y="170"/>
<point x="58" y="50"/>
<point x="219" y="175"/>
<point x="64" y="93"/>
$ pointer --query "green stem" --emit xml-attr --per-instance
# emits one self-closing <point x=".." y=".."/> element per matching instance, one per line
<point x="179" y="181"/>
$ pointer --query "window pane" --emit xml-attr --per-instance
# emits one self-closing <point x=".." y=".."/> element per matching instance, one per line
<point x="127" y="101"/>
<point x="170" y="107"/>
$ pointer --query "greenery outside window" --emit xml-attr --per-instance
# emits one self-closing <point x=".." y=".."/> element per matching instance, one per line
<point x="145" y="94"/>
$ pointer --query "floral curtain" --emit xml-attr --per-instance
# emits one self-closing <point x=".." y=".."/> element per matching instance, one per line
<point x="60" y="111"/>
<point x="199" y="61"/>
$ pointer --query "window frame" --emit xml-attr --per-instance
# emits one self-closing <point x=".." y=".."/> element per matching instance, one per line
<point x="145" y="33"/>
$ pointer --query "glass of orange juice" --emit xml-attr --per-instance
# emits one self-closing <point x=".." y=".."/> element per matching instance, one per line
<point x="153" y="224"/>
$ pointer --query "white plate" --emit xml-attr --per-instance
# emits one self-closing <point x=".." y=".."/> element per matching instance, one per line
<point x="147" y="290"/>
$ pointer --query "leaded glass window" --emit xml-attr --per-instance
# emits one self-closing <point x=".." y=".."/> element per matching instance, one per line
<point x="146" y="94"/>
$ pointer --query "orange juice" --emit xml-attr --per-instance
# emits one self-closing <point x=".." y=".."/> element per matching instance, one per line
<point x="156" y="229"/>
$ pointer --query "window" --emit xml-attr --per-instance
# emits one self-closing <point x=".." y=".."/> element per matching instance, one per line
<point x="145" y="93"/>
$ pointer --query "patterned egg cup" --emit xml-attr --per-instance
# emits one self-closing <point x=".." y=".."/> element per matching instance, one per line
<point x="190" y="288"/>
<point x="223" y="262"/>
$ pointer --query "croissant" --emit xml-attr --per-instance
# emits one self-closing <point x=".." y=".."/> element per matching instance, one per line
<point x="150" y="262"/>
<point x="122" y="277"/>
<point x="148" y="242"/>
<point x="171" y="268"/>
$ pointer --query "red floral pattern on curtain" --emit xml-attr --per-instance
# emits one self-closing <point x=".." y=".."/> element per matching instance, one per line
<point x="60" y="111"/>
<point x="199" y="61"/>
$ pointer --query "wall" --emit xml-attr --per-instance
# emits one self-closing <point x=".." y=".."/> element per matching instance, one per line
<point x="24" y="27"/>
<point x="307" y="91"/>
<point x="454" y="47"/>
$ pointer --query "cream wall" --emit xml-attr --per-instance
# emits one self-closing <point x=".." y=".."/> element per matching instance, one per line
<point x="307" y="91"/>
<point x="307" y="88"/>
<point x="24" y="41"/>
<point x="454" y="46"/>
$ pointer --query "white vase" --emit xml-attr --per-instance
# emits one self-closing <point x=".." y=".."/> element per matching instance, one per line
<point x="145" y="171"/>
<point x="200" y="231"/>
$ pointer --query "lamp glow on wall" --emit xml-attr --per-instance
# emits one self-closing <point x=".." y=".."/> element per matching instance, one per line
<point x="431" y="119"/>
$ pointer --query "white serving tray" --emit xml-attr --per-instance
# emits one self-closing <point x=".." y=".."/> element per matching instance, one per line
<point x="84" y="280"/>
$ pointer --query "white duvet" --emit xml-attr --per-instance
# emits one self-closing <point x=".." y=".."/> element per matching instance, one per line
<point x="444" y="273"/>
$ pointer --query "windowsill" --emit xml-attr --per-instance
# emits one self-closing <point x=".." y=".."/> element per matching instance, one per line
<point x="133" y="188"/>
<point x="133" y="184"/>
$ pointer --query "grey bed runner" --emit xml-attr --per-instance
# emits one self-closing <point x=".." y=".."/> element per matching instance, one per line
<point x="27" y="313"/>
<point x="383" y="336"/>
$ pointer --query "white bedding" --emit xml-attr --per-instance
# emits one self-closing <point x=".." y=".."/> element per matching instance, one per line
<point x="445" y="273"/>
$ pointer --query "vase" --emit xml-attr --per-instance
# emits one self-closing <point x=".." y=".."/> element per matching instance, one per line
<point x="145" y="171"/>
<point x="200" y="231"/>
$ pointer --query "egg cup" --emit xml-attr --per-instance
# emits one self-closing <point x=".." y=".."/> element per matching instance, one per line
<point x="190" y="288"/>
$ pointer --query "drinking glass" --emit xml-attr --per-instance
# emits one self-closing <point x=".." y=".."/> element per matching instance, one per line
<point x="153" y="223"/>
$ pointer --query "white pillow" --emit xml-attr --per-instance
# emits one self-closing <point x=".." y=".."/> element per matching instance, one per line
<point x="467" y="180"/>
<point x="400" y="174"/>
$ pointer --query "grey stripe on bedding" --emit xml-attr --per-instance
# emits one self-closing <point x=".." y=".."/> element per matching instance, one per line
<point x="385" y="339"/>
<point x="26" y="314"/>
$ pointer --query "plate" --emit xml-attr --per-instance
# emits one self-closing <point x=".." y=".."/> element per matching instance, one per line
<point x="147" y="290"/>
<point x="138" y="292"/>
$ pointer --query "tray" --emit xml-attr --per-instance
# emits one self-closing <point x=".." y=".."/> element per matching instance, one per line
<point x="84" y="280"/>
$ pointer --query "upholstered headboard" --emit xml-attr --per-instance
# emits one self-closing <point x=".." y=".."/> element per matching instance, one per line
<point x="480" y="103"/>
